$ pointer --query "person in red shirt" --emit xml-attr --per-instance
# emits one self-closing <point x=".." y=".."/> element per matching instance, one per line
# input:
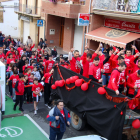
<point x="55" y="115"/>
<point x="106" y="71"/>
<point x="10" y="59"/>
<point x="19" y="88"/>
<point x="47" y="87"/>
<point x="75" y="64"/>
<point x="135" y="67"/>
<point x="38" y="49"/>
<point x="2" y="56"/>
<point x="95" y="69"/>
<point x="30" y="82"/>
<point x="133" y="83"/>
<point x="43" y="58"/>
<point x="11" y="51"/>
<point x="28" y="72"/>
<point x="26" y="66"/>
<point x="127" y="59"/>
<point x="49" y="64"/>
<point x="14" y="79"/>
<point x="31" y="47"/>
<point x="20" y="50"/>
<point x="16" y="55"/>
<point x="115" y="78"/>
<point x="36" y="88"/>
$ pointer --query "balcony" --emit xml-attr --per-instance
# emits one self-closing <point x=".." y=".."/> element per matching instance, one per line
<point x="117" y="8"/>
<point x="68" y="9"/>
<point x="27" y="10"/>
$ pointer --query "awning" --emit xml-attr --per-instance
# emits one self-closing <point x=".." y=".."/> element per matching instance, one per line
<point x="112" y="36"/>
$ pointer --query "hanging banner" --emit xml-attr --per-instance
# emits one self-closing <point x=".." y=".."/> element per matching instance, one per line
<point x="124" y="25"/>
<point x="83" y="19"/>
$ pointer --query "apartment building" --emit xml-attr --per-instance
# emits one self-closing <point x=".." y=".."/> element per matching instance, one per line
<point x="114" y="22"/>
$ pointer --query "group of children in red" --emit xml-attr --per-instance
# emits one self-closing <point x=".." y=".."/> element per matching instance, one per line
<point x="25" y="69"/>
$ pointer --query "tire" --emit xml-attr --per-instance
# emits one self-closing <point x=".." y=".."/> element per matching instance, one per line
<point x="76" y="122"/>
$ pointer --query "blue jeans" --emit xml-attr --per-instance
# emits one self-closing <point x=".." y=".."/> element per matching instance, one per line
<point x="105" y="79"/>
<point x="55" y="132"/>
<point x="14" y="94"/>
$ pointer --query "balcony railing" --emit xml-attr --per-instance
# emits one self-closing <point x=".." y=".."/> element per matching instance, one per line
<point x="81" y="2"/>
<point x="132" y="6"/>
<point x="27" y="9"/>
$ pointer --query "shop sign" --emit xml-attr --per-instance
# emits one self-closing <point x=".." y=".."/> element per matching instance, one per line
<point x="124" y="25"/>
<point x="83" y="19"/>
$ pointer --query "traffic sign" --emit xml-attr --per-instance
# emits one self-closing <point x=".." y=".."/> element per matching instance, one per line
<point x="39" y="23"/>
<point x="83" y="19"/>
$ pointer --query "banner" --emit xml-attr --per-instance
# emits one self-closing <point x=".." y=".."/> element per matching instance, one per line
<point x="83" y="19"/>
<point x="102" y="114"/>
<point x="124" y="25"/>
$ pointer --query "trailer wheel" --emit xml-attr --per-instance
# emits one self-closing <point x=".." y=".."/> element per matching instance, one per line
<point x="76" y="122"/>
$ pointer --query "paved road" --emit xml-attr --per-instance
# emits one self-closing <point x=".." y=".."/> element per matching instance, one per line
<point x="40" y="119"/>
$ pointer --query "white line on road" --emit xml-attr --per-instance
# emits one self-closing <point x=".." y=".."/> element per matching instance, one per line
<point x="37" y="125"/>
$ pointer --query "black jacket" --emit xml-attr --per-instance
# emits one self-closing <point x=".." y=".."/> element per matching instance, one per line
<point x="21" y="63"/>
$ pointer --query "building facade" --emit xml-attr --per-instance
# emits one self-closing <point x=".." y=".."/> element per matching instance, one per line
<point x="9" y="19"/>
<point x="114" y="23"/>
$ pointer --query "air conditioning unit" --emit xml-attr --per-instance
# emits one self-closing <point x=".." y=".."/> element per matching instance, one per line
<point x="28" y="11"/>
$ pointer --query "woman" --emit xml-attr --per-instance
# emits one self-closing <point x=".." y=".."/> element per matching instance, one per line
<point x="29" y="41"/>
<point x="16" y="55"/>
<point x="41" y="43"/>
<point x="47" y="88"/>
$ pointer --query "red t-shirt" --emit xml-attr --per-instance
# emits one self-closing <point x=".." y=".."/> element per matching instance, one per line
<point x="73" y="65"/>
<point x="107" y="67"/>
<point x="2" y="56"/>
<point x="13" y="53"/>
<point x="132" y="81"/>
<point x="49" y="65"/>
<point x="30" y="80"/>
<point x="96" y="70"/>
<point x="14" y="79"/>
<point x="47" y="77"/>
<point x="36" y="88"/>
<point x="10" y="60"/>
<point x="114" y="80"/>
<point x="20" y="51"/>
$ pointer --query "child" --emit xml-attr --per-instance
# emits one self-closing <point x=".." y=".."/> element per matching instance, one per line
<point x="30" y="82"/>
<point x="19" y="88"/>
<point x="26" y="89"/>
<point x="14" y="79"/>
<point x="47" y="88"/>
<point x="36" y="73"/>
<point x="28" y="72"/>
<point x="36" y="88"/>
<point x="10" y="59"/>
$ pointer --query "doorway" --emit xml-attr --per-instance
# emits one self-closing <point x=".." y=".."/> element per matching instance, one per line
<point x="61" y="32"/>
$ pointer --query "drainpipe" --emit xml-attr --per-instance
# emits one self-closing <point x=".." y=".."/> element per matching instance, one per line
<point x="89" y="19"/>
<point x="44" y="28"/>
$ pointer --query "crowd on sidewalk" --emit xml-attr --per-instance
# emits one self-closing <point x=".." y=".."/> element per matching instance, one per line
<point x="29" y="73"/>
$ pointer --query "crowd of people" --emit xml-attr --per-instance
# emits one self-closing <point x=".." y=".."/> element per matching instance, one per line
<point x="29" y="71"/>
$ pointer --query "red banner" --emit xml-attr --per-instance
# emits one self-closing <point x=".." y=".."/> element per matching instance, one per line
<point x="124" y="25"/>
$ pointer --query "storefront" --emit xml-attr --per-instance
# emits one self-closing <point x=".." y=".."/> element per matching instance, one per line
<point x="117" y="33"/>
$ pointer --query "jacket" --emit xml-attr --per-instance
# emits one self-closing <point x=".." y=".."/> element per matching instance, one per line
<point x="19" y="87"/>
<point x="21" y="63"/>
<point x="37" y="74"/>
<point x="63" y="122"/>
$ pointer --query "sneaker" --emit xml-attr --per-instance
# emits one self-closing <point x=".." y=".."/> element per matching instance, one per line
<point x="36" y="108"/>
<point x="14" y="101"/>
<point x="21" y="109"/>
<point x="35" y="112"/>
<point x="46" y="104"/>
<point x="27" y="102"/>
<point x="24" y="102"/>
<point x="31" y="102"/>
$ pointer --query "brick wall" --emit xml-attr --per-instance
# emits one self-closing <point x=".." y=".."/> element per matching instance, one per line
<point x="68" y="34"/>
<point x="53" y="22"/>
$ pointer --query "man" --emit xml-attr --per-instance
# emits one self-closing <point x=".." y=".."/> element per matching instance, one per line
<point x="95" y="69"/>
<point x="115" y="78"/>
<point x="59" y="118"/>
<point x="74" y="61"/>
<point x="133" y="83"/>
<point x="49" y="64"/>
<point x="20" y="50"/>
<point x="10" y="51"/>
<point x="21" y="63"/>
<point x="29" y="52"/>
<point x="135" y="67"/>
